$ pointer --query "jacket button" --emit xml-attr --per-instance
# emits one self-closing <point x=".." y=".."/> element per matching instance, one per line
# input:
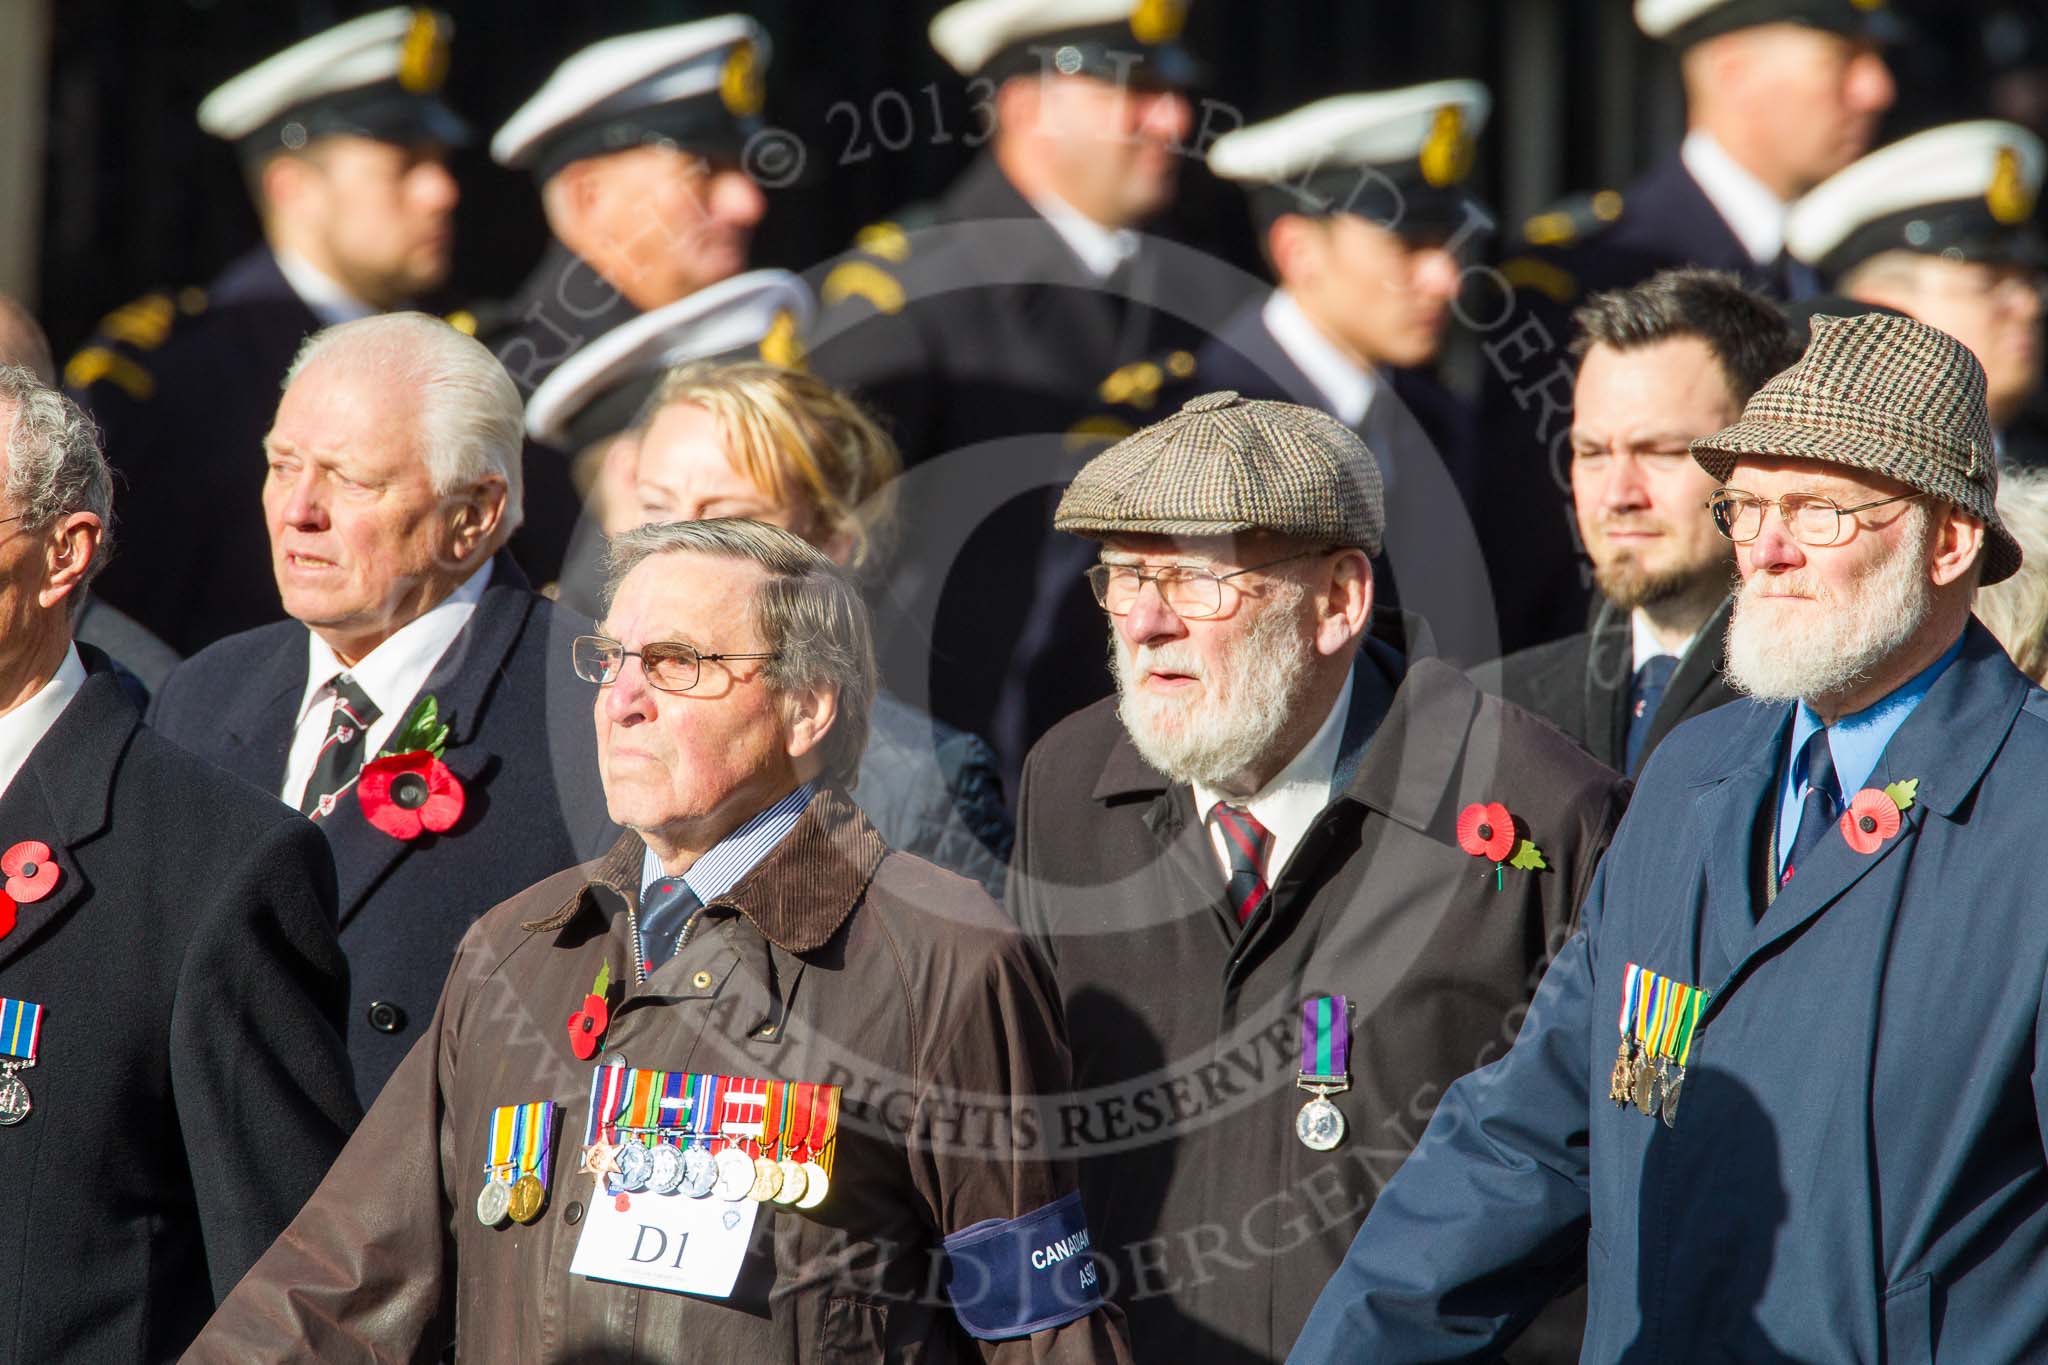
<point x="574" y="1213"/>
<point x="701" y="980"/>
<point x="386" y="1017"/>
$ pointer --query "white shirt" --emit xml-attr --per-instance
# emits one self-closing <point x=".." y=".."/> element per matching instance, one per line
<point x="1101" y="249"/>
<point x="320" y="291"/>
<point x="24" y="727"/>
<point x="1648" y="646"/>
<point x="391" y="674"/>
<point x="1346" y="388"/>
<point x="1756" y="214"/>
<point x="1290" y="803"/>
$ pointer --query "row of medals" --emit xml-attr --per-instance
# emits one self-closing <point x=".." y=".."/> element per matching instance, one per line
<point x="697" y="1173"/>
<point x="1651" y="1087"/>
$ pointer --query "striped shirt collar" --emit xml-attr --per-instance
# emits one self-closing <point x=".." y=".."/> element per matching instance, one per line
<point x="738" y="853"/>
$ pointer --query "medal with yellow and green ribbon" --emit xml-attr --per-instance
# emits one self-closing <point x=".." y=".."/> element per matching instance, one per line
<point x="1659" y="1018"/>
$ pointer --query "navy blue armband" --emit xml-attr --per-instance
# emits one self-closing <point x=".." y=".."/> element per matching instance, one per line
<point x="1012" y="1277"/>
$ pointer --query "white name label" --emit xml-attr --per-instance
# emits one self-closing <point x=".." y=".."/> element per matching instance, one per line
<point x="666" y="1241"/>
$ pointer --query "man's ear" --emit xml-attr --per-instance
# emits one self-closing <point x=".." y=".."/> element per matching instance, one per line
<point x="1343" y="601"/>
<point x="67" y="557"/>
<point x="1958" y="543"/>
<point x="474" y="519"/>
<point x="1292" y="242"/>
<point x="810" y="713"/>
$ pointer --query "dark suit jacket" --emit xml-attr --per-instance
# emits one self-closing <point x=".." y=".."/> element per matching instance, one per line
<point x="522" y="744"/>
<point x="191" y="1085"/>
<point x="184" y="392"/>
<point x="1422" y="436"/>
<point x="1581" y="684"/>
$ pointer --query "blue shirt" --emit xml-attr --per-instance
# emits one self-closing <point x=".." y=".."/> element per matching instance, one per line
<point x="738" y="853"/>
<point x="1856" y="742"/>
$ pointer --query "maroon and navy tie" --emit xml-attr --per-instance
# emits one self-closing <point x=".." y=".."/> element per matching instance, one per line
<point x="1247" y="842"/>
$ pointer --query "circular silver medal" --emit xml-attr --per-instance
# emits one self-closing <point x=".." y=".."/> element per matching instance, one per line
<point x="735" y="1175"/>
<point x="493" y="1203"/>
<point x="1319" y="1125"/>
<point x="667" y="1175"/>
<point x="14" y="1100"/>
<point x="635" y="1166"/>
<point x="700" y="1173"/>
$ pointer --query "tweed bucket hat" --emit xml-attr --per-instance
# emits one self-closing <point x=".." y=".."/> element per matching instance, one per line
<point x="1224" y="465"/>
<point x="1890" y="395"/>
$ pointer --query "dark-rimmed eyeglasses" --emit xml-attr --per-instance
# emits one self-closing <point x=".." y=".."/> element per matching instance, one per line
<point x="1189" y="590"/>
<point x="670" y="665"/>
<point x="1812" y="519"/>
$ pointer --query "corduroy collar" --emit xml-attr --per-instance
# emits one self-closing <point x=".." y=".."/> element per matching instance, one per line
<point x="797" y="896"/>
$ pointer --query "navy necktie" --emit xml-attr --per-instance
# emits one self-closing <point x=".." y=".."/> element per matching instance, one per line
<point x="1644" y="696"/>
<point x="1822" y="806"/>
<point x="1246" y="841"/>
<point x="665" y="908"/>
<point x="341" y="752"/>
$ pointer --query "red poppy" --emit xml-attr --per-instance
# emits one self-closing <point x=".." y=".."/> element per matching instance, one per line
<point x="31" y="871"/>
<point x="405" y="794"/>
<point x="7" y="908"/>
<point x="1486" y="830"/>
<point x="587" y="1026"/>
<point x="1872" y="818"/>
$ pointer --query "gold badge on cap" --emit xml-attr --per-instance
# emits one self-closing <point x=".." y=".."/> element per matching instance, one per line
<point x="740" y="83"/>
<point x="1447" y="151"/>
<point x="1158" y="21"/>
<point x="2007" y="196"/>
<point x="782" y="346"/>
<point x="423" y="59"/>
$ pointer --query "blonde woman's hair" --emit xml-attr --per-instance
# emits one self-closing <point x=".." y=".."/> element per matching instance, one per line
<point x="2016" y="610"/>
<point x="801" y="441"/>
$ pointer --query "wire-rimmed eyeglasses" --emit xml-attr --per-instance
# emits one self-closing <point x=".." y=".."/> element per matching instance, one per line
<point x="670" y="665"/>
<point x="1812" y="519"/>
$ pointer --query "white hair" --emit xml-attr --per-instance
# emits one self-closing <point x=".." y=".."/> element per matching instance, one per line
<point x="2016" y="610"/>
<point x="471" y="422"/>
<point x="54" y="465"/>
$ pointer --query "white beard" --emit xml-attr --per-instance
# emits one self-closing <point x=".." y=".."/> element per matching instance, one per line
<point x="1245" y="701"/>
<point x="1787" y="653"/>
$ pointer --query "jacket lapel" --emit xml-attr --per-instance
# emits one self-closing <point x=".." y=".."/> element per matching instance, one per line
<point x="461" y="685"/>
<point x="1727" y="807"/>
<point x="61" y="797"/>
<point x="1610" y="671"/>
<point x="258" y="729"/>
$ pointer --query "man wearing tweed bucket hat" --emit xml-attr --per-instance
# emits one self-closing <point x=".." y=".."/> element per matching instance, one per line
<point x="1280" y="842"/>
<point x="1811" y="972"/>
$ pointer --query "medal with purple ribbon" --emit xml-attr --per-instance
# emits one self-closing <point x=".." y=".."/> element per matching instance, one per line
<point x="1325" y="1069"/>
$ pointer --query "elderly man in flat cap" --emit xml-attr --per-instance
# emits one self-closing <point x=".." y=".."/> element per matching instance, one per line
<point x="1787" y="1088"/>
<point x="1290" y="884"/>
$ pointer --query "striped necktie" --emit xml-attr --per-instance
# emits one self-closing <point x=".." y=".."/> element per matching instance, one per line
<point x="1247" y="841"/>
<point x="341" y="753"/>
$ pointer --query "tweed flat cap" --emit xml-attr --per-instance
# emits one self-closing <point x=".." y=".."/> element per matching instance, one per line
<point x="1224" y="465"/>
<point x="1890" y="395"/>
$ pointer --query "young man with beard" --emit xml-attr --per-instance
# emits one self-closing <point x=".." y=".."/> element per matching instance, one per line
<point x="1253" y="874"/>
<point x="1660" y="365"/>
<point x="1814" y="929"/>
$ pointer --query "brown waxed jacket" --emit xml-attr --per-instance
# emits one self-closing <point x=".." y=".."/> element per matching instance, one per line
<point x="834" y="960"/>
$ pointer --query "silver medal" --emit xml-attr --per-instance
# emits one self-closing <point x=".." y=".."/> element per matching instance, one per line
<point x="1319" y="1125"/>
<point x="700" y="1173"/>
<point x="735" y="1175"/>
<point x="635" y="1166"/>
<point x="14" y="1100"/>
<point x="667" y="1175"/>
<point x="493" y="1203"/>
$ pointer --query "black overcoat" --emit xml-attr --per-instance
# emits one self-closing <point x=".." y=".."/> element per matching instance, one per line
<point x="190" y="1085"/>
